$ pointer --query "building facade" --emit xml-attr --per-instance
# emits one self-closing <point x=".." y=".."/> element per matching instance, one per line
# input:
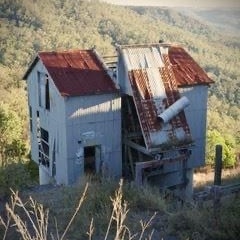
<point x="165" y="94"/>
<point x="80" y="120"/>
<point x="74" y="108"/>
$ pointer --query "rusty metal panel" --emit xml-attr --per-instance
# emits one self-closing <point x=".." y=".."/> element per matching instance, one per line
<point x="76" y="72"/>
<point x="154" y="88"/>
<point x="186" y="70"/>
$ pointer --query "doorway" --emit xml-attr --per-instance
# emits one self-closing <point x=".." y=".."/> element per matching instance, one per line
<point x="91" y="159"/>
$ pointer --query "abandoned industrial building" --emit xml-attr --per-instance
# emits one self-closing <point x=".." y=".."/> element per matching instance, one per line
<point x="142" y="116"/>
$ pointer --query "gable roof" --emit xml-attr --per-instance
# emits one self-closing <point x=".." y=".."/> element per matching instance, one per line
<point x="76" y="72"/>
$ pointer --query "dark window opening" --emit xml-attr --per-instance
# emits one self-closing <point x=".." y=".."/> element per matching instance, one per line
<point x="44" y="135"/>
<point x="39" y="89"/>
<point x="43" y="147"/>
<point x="47" y="97"/>
<point x="43" y="90"/>
<point x="30" y="118"/>
<point x="90" y="160"/>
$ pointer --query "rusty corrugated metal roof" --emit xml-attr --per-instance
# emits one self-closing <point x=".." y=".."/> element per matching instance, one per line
<point x="186" y="70"/>
<point x="154" y="81"/>
<point x="76" y="72"/>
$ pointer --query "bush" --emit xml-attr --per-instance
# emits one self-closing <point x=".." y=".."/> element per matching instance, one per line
<point x="206" y="224"/>
<point x="229" y="145"/>
<point x="14" y="176"/>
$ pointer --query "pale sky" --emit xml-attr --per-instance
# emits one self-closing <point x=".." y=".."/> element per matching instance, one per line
<point x="179" y="3"/>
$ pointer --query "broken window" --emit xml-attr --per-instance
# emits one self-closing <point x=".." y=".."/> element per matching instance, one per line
<point x="44" y="135"/>
<point x="30" y="118"/>
<point x="44" y="147"/>
<point x="47" y="97"/>
<point x="43" y="91"/>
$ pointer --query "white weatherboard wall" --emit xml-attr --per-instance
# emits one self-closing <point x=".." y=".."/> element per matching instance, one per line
<point x="95" y="121"/>
<point x="53" y="121"/>
<point x="196" y="114"/>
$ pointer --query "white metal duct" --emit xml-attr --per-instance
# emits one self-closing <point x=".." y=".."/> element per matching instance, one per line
<point x="174" y="109"/>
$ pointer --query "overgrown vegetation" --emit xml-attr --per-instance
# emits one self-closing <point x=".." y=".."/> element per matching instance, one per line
<point x="102" y="215"/>
<point x="17" y="176"/>
<point x="114" y="212"/>
<point x="205" y="223"/>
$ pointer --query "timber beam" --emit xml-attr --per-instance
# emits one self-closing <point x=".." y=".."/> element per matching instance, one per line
<point x="140" y="166"/>
<point x="136" y="146"/>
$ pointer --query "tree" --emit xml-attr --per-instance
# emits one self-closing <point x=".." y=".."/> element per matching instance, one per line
<point x="12" y="147"/>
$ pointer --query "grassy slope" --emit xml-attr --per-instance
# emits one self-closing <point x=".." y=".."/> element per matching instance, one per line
<point x="170" y="219"/>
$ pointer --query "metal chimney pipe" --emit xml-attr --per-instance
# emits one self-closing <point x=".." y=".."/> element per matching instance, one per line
<point x="174" y="109"/>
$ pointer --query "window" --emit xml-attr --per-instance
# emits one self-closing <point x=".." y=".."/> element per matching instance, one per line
<point x="44" y="147"/>
<point x="40" y="88"/>
<point x="44" y="134"/>
<point x="30" y="118"/>
<point x="47" y="100"/>
<point x="43" y="91"/>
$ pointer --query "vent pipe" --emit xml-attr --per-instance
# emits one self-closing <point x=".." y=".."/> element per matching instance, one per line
<point x="174" y="109"/>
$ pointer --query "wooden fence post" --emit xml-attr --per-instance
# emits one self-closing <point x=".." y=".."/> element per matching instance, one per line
<point x="218" y="166"/>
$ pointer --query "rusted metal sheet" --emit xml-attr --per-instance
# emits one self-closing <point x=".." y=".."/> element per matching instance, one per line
<point x="76" y="72"/>
<point x="155" y="88"/>
<point x="173" y="95"/>
<point x="143" y="100"/>
<point x="186" y="70"/>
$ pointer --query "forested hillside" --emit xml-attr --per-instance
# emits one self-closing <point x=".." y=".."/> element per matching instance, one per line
<point x="227" y="20"/>
<point x="29" y="26"/>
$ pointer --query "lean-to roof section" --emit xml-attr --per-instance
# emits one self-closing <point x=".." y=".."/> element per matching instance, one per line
<point x="155" y="72"/>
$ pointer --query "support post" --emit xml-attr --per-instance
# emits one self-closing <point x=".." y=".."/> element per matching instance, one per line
<point x="218" y="165"/>
<point x="217" y="182"/>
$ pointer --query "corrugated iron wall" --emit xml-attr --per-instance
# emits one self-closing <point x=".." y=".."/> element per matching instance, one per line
<point x="95" y="121"/>
<point x="196" y="115"/>
<point x="51" y="121"/>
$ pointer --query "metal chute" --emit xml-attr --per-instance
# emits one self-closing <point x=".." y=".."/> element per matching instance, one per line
<point x="174" y="109"/>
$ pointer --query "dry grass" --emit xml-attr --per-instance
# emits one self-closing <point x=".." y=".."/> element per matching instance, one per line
<point x="33" y="221"/>
<point x="203" y="178"/>
<point x="112" y="210"/>
<point x="205" y="224"/>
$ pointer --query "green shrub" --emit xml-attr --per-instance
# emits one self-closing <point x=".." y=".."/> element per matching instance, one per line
<point x="229" y="145"/>
<point x="14" y="176"/>
<point x="206" y="224"/>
